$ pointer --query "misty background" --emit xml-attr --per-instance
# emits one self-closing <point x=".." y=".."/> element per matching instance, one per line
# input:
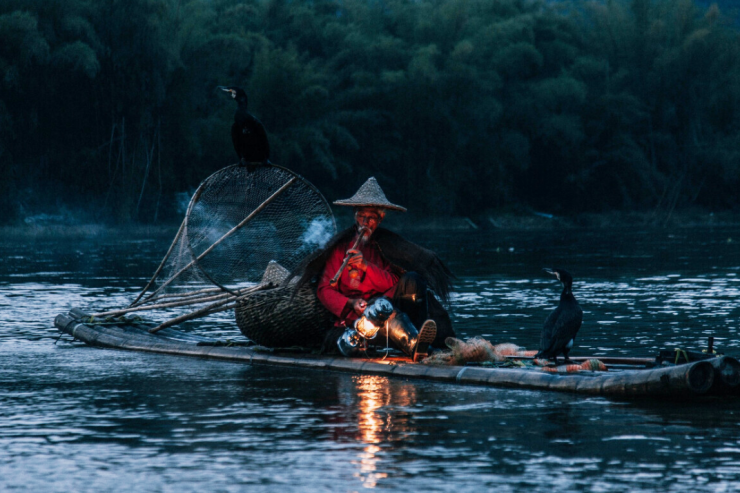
<point x="109" y="110"/>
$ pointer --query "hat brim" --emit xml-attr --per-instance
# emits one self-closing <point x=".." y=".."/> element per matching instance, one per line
<point x="381" y="205"/>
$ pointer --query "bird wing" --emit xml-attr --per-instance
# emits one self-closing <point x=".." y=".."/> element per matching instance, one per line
<point x="261" y="137"/>
<point x="547" y="330"/>
<point x="253" y="139"/>
<point x="236" y="139"/>
<point x="258" y="129"/>
<point x="560" y="327"/>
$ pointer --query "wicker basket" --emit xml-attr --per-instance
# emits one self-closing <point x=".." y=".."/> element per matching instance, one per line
<point x="270" y="318"/>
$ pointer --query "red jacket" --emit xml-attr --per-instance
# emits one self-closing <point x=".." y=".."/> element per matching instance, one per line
<point x="378" y="279"/>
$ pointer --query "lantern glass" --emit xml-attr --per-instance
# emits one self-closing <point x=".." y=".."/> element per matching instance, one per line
<point x="366" y="328"/>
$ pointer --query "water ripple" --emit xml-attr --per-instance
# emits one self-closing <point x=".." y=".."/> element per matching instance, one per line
<point x="74" y="418"/>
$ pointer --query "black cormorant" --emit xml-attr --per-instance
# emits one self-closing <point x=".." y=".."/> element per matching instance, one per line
<point x="563" y="323"/>
<point x="247" y="133"/>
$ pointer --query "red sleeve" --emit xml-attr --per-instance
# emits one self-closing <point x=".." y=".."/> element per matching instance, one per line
<point x="380" y="277"/>
<point x="330" y="297"/>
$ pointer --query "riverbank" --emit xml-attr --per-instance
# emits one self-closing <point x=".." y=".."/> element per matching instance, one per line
<point x="491" y="220"/>
<point x="48" y="231"/>
<point x="535" y="220"/>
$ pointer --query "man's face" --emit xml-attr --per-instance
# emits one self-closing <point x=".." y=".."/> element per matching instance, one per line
<point x="369" y="217"/>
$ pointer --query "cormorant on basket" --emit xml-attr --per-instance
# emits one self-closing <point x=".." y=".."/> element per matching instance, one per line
<point x="247" y="132"/>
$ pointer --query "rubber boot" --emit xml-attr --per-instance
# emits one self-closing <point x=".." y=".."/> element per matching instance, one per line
<point x="400" y="332"/>
<point x="411" y="297"/>
<point x="425" y="338"/>
<point x="404" y="336"/>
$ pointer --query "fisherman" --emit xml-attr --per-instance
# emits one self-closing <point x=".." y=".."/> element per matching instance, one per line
<point x="386" y="280"/>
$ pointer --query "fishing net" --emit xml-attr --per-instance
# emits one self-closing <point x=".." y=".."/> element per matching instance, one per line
<point x="475" y="350"/>
<point x="242" y="233"/>
<point x="479" y="350"/>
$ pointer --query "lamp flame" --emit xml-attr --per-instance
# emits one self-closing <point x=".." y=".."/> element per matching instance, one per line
<point x="366" y="328"/>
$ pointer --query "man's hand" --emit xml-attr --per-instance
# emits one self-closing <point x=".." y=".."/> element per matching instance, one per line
<point x="356" y="261"/>
<point x="359" y="305"/>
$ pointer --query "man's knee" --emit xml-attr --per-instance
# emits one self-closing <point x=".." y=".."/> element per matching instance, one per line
<point x="411" y="296"/>
<point x="411" y="287"/>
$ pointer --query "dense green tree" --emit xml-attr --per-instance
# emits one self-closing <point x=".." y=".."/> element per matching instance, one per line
<point x="457" y="106"/>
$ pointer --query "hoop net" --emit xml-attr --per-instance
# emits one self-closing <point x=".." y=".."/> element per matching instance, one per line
<point x="243" y="231"/>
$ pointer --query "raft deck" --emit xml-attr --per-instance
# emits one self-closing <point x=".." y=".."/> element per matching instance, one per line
<point x="717" y="376"/>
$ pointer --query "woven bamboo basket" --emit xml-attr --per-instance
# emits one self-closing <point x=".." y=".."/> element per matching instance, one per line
<point x="270" y="318"/>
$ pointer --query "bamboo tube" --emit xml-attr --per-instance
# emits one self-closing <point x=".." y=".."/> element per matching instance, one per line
<point x="335" y="280"/>
<point x="726" y="375"/>
<point x="693" y="378"/>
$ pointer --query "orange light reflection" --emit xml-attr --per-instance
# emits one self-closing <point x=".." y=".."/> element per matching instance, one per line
<point x="375" y="392"/>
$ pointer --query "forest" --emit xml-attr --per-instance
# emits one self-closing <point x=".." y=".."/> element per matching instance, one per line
<point x="110" y="109"/>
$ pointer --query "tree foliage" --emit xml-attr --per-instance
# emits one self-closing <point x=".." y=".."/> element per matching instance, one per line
<point x="456" y="106"/>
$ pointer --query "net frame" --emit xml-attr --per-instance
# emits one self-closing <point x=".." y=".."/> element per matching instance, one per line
<point x="196" y="263"/>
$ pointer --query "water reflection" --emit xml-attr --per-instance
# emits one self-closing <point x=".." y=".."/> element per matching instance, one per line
<point x="181" y="424"/>
<point x="373" y="393"/>
<point x="375" y="427"/>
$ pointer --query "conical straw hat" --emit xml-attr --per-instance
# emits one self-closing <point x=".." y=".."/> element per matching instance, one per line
<point x="370" y="195"/>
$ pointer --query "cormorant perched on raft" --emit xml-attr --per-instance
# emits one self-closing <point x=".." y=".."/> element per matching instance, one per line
<point x="563" y="323"/>
<point x="247" y="133"/>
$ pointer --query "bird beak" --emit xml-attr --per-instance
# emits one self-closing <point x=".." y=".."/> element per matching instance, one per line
<point x="226" y="89"/>
<point x="552" y="273"/>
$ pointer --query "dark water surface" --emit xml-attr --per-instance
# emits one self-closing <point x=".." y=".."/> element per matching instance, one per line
<point x="74" y="418"/>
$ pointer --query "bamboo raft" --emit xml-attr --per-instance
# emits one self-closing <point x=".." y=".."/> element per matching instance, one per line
<point x="716" y="376"/>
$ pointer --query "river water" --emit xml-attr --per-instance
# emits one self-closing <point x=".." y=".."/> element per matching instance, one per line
<point x="75" y="418"/>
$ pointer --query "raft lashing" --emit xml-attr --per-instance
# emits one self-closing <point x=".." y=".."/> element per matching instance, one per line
<point x="716" y="376"/>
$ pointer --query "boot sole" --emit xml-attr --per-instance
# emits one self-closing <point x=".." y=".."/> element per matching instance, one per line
<point x="426" y="336"/>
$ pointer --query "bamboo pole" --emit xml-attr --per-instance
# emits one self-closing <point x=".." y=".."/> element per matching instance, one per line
<point x="161" y="265"/>
<point x="173" y="304"/>
<point x="194" y="298"/>
<point x="685" y="381"/>
<point x="607" y="360"/>
<point x="206" y="310"/>
<point x="233" y="230"/>
<point x="187" y="294"/>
